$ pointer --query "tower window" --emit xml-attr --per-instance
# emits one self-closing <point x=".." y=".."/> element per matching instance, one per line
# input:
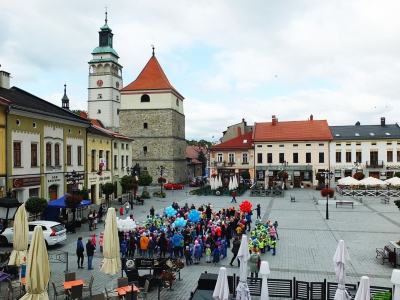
<point x="145" y="98"/>
<point x="145" y="125"/>
<point x="145" y="150"/>
<point x="99" y="96"/>
<point x="117" y="98"/>
<point x="99" y="111"/>
<point x="177" y="102"/>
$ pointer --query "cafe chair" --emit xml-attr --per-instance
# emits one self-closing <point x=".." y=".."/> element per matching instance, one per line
<point x="76" y="292"/>
<point x="143" y="291"/>
<point x="14" y="286"/>
<point x="130" y="296"/>
<point x="88" y="288"/>
<point x="122" y="281"/>
<point x="97" y="297"/>
<point x="58" y="291"/>
<point x="110" y="294"/>
<point x="70" y="276"/>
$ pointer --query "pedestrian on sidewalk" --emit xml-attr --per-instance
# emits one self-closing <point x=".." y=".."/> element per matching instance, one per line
<point x="95" y="219"/>
<point x="80" y="249"/>
<point x="235" y="250"/>
<point x="127" y="207"/>
<point x="234" y="197"/>
<point x="258" y="209"/>
<point x="90" y="219"/>
<point x="90" y="249"/>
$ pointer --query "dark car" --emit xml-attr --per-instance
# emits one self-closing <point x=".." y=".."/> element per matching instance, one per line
<point x="194" y="183"/>
<point x="247" y="183"/>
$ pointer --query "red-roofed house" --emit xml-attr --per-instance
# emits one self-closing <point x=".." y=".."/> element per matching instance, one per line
<point x="301" y="148"/>
<point x="194" y="166"/>
<point x="233" y="157"/>
<point x="152" y="113"/>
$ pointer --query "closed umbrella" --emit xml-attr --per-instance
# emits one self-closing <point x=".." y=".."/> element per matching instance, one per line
<point x="266" y="178"/>
<point x="340" y="260"/>
<point x="111" y="264"/>
<point x="363" y="292"/>
<point x="242" y="288"/>
<point x="37" y="268"/>
<point x="212" y="183"/>
<point x="231" y="186"/>
<point x="20" y="238"/>
<point x="235" y="181"/>
<point x="221" y="290"/>
<point x="219" y="181"/>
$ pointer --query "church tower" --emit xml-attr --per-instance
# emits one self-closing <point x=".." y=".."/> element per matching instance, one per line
<point x="65" y="100"/>
<point x="105" y="81"/>
<point x="152" y="113"/>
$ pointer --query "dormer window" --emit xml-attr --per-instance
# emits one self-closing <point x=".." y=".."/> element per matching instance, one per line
<point x="145" y="98"/>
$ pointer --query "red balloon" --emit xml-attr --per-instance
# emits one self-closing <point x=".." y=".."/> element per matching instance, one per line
<point x="245" y="206"/>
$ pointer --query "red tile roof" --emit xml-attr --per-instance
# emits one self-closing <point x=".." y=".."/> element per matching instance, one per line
<point x="98" y="125"/>
<point x="236" y="143"/>
<point x="152" y="77"/>
<point x="193" y="152"/>
<point x="292" y="131"/>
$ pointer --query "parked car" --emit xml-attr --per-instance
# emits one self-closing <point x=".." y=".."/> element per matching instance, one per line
<point x="53" y="232"/>
<point x="194" y="183"/>
<point x="173" y="186"/>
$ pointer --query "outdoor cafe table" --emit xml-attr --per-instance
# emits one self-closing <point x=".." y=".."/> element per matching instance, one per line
<point x="123" y="289"/>
<point x="68" y="284"/>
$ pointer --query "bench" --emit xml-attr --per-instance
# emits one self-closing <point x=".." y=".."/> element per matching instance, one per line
<point x="383" y="253"/>
<point x="292" y="199"/>
<point x="345" y="203"/>
<point x="139" y="201"/>
<point x="385" y="199"/>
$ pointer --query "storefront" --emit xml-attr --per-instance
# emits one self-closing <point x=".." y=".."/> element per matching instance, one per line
<point x="94" y="185"/>
<point x="55" y="186"/>
<point x="25" y="187"/>
<point x="297" y="174"/>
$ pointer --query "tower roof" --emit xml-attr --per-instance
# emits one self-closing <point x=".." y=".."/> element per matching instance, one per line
<point x="152" y="77"/>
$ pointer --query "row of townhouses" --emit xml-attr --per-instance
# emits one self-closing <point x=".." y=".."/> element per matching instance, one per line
<point x="304" y="148"/>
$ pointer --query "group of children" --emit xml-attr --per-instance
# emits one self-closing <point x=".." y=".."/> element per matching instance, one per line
<point x="264" y="236"/>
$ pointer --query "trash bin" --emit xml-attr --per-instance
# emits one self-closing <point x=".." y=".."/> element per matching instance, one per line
<point x="119" y="199"/>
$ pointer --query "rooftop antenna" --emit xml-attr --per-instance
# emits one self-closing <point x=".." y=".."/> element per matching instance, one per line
<point x="152" y="46"/>
<point x="106" y="14"/>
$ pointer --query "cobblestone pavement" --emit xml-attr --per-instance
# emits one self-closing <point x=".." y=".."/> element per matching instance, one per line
<point x="305" y="250"/>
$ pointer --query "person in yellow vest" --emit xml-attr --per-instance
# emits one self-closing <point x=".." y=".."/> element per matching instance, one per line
<point x="268" y="243"/>
<point x="261" y="245"/>
<point x="250" y="245"/>
<point x="273" y="245"/>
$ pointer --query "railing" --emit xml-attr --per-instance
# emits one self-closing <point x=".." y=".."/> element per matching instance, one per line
<point x="368" y="192"/>
<point x="374" y="163"/>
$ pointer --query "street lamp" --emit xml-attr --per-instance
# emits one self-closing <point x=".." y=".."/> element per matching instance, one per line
<point x="8" y="208"/>
<point x="284" y="166"/>
<point x="161" y="169"/>
<point x="328" y="176"/>
<point x="74" y="179"/>
<point x="356" y="163"/>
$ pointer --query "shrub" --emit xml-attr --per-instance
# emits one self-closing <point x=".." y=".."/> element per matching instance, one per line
<point x="145" y="195"/>
<point x="145" y="179"/>
<point x="327" y="192"/>
<point x="35" y="205"/>
<point x="161" y="180"/>
<point x="358" y="176"/>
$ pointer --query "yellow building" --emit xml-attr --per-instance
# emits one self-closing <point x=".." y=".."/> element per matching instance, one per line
<point x="4" y="106"/>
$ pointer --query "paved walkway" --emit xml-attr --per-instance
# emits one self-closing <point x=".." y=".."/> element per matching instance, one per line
<point x="305" y="250"/>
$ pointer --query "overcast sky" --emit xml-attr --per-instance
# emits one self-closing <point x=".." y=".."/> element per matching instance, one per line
<point x="338" y="60"/>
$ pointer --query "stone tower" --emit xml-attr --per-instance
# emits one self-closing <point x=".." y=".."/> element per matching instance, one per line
<point x="152" y="113"/>
<point x="105" y="81"/>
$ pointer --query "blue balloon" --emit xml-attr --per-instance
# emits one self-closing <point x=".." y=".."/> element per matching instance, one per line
<point x="170" y="211"/>
<point x="194" y="216"/>
<point x="180" y="222"/>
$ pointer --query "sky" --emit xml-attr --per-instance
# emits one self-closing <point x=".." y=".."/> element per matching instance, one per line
<point x="230" y="59"/>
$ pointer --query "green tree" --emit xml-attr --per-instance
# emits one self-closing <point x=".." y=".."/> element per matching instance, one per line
<point x="201" y="157"/>
<point x="145" y="179"/>
<point x="36" y="205"/>
<point x="84" y="193"/>
<point x="397" y="174"/>
<point x="107" y="189"/>
<point x="125" y="181"/>
<point x="78" y="111"/>
<point x="245" y="174"/>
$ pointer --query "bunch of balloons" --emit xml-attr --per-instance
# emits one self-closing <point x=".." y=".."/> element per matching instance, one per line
<point x="194" y="216"/>
<point x="170" y="211"/>
<point x="245" y="206"/>
<point x="125" y="224"/>
<point x="180" y="222"/>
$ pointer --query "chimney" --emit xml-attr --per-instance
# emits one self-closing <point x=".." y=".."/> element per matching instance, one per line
<point x="311" y="117"/>
<point x="358" y="123"/>
<point x="5" y="80"/>
<point x="383" y="121"/>
<point x="239" y="131"/>
<point x="273" y="120"/>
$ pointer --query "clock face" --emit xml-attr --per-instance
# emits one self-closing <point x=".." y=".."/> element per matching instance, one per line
<point x="117" y="84"/>
<point x="99" y="82"/>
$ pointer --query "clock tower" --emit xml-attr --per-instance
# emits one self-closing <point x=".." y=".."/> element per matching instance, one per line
<point x="105" y="81"/>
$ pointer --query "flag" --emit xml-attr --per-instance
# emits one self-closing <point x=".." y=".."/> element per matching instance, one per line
<point x="164" y="174"/>
<point x="212" y="137"/>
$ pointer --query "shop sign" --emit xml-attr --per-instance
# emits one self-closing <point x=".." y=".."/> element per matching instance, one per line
<point x="53" y="179"/>
<point x="26" y="181"/>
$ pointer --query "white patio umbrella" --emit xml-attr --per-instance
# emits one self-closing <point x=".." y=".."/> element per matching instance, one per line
<point x="230" y="183"/>
<point x="266" y="178"/>
<point x="348" y="180"/>
<point x="219" y="181"/>
<point x="242" y="289"/>
<point x="212" y="183"/>
<point x="37" y="268"/>
<point x="235" y="181"/>
<point x="221" y="290"/>
<point x="393" y="180"/>
<point x="363" y="289"/>
<point x="340" y="260"/>
<point x="111" y="264"/>
<point x="20" y="238"/>
<point x="371" y="181"/>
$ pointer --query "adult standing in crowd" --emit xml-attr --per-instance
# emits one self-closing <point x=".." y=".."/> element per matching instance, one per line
<point x="254" y="258"/>
<point x="80" y="249"/>
<point x="90" y="249"/>
<point x="235" y="250"/>
<point x="152" y="211"/>
<point x="162" y="243"/>
<point x="90" y="219"/>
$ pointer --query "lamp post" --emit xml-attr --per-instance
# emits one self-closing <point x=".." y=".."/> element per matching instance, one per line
<point x="161" y="169"/>
<point x="73" y="179"/>
<point x="356" y="163"/>
<point x="264" y="271"/>
<point x="8" y="208"/>
<point x="284" y="166"/>
<point x="328" y="176"/>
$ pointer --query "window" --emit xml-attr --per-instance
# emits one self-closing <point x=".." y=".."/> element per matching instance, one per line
<point x="321" y="144"/>
<point x="390" y="156"/>
<point x="231" y="157"/>
<point x="259" y="158"/>
<point x="99" y="96"/>
<point x="244" y="158"/>
<point x="308" y="145"/>
<point x="338" y="144"/>
<point x="281" y="145"/>
<point x="358" y="156"/>
<point x="145" y="98"/>
<point x="338" y="157"/>
<point x="177" y="102"/>
<point x="358" y="144"/>
<point x="122" y="161"/>
<point x="269" y="146"/>
<point x="398" y="156"/>
<point x="295" y="158"/>
<point x="117" y="97"/>
<point x="388" y="143"/>
<point x="93" y="160"/>
<point x="127" y="146"/>
<point x="269" y="158"/>
<point x="48" y="154"/>
<point x="57" y="154"/>
<point x="34" y="155"/>
<point x="281" y="158"/>
<point x="259" y="146"/>
<point x="373" y="144"/>
<point x="115" y="146"/>
<point x="17" y="154"/>
<point x="122" y="146"/>
<point x="348" y="144"/>
<point x="79" y="155"/>
<point x="34" y="125"/>
<point x="308" y="157"/>
<point x="321" y="157"/>
<point x="295" y="145"/>
<point x="145" y="126"/>
<point x="34" y="192"/>
<point x="107" y="160"/>
<point x="145" y="150"/>
<point x="127" y="161"/>
<point x="219" y="157"/>
<point x="373" y="155"/>
<point x="69" y="158"/>
<point x="115" y="162"/>
<point x="348" y="157"/>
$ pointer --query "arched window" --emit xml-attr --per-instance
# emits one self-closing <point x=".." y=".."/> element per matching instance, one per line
<point x="145" y="125"/>
<point x="177" y="102"/>
<point x="48" y="154"/>
<point x="145" y="98"/>
<point x="145" y="150"/>
<point x="57" y="154"/>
